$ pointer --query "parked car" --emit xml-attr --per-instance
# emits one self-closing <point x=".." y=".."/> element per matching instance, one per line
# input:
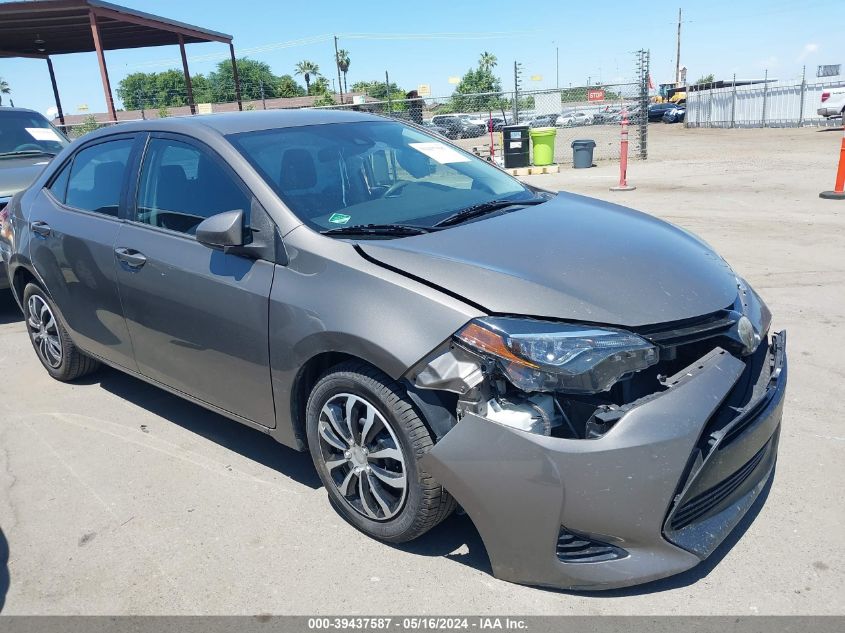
<point x="832" y="103"/>
<point x="657" y="110"/>
<point x="458" y="126"/>
<point x="572" y="119"/>
<point x="436" y="129"/>
<point x="675" y="115"/>
<point x="544" y="120"/>
<point x="27" y="143"/>
<point x="333" y="279"/>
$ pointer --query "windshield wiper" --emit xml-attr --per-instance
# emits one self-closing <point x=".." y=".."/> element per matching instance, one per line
<point x="484" y="208"/>
<point x="28" y="152"/>
<point x="377" y="229"/>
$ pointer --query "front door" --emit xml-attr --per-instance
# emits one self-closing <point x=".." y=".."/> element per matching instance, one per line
<point x="198" y="317"/>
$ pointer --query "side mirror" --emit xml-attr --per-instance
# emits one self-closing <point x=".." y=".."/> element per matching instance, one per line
<point x="223" y="231"/>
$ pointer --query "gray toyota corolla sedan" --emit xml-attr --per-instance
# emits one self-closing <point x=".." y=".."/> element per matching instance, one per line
<point x="596" y="388"/>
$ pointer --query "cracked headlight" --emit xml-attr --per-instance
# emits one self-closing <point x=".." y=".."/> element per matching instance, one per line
<point x="546" y="356"/>
<point x="756" y="318"/>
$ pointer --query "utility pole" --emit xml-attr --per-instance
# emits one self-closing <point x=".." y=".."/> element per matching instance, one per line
<point x="557" y="67"/>
<point x="678" y="54"/>
<point x="337" y="64"/>
<point x="387" y="87"/>
<point x="516" y="70"/>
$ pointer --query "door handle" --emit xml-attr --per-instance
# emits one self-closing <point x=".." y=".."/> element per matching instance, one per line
<point x="130" y="257"/>
<point x="42" y="229"/>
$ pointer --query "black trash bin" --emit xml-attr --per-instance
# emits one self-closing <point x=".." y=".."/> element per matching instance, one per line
<point x="516" y="146"/>
<point x="582" y="153"/>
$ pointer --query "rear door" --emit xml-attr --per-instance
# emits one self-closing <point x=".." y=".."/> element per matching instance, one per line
<point x="75" y="222"/>
<point x="198" y="317"/>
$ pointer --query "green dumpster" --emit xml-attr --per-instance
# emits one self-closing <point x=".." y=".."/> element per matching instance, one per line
<point x="543" y="141"/>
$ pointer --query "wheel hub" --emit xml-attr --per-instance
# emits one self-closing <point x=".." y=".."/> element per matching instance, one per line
<point x="358" y="457"/>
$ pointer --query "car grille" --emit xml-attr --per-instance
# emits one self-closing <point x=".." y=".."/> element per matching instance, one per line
<point x="700" y="505"/>
<point x="577" y="548"/>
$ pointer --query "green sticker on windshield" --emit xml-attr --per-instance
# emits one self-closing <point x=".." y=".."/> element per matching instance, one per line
<point x="339" y="218"/>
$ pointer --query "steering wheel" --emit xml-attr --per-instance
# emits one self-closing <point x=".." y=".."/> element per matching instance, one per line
<point x="26" y="146"/>
<point x="395" y="188"/>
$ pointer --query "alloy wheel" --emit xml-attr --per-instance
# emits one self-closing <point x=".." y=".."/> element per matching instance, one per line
<point x="363" y="457"/>
<point x="44" y="331"/>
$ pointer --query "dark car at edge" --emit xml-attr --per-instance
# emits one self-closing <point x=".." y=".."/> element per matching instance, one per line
<point x="27" y="143"/>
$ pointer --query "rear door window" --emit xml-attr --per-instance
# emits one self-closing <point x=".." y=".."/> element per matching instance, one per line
<point x="97" y="175"/>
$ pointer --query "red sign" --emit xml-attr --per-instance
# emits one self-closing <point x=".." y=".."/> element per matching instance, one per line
<point x="595" y="95"/>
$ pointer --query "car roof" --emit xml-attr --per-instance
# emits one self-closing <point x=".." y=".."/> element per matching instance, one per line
<point x="238" y="122"/>
<point x="27" y="110"/>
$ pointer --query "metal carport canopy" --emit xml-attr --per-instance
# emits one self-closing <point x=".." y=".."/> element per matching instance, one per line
<point x="55" y="27"/>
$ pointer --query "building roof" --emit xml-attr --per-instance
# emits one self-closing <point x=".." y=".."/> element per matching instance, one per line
<point x="53" y="27"/>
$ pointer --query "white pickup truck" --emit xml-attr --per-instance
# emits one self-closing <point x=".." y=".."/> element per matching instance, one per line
<point x="832" y="103"/>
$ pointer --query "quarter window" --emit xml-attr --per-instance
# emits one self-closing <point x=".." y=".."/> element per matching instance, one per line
<point x="181" y="186"/>
<point x="59" y="186"/>
<point x="96" y="177"/>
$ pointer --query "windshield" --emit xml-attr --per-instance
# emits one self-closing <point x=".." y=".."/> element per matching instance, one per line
<point x="372" y="172"/>
<point x="23" y="132"/>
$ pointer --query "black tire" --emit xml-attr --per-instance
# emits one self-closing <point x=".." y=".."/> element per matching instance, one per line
<point x="425" y="502"/>
<point x="71" y="363"/>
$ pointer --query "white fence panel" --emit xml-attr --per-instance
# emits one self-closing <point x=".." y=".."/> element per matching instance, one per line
<point x="776" y="104"/>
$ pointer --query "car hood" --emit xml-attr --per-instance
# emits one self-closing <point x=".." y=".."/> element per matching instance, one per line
<point x="16" y="174"/>
<point x="571" y="258"/>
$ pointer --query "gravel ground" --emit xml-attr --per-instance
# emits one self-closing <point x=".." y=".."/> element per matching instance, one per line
<point x="117" y="498"/>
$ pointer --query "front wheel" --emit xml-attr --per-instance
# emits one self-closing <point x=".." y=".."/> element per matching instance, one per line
<point x="366" y="438"/>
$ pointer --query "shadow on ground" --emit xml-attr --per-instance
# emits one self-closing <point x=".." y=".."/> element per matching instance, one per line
<point x="9" y="310"/>
<point x="4" y="569"/>
<point x="241" y="439"/>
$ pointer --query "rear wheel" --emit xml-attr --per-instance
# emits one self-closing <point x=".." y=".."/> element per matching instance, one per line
<point x="365" y="438"/>
<point x="52" y="344"/>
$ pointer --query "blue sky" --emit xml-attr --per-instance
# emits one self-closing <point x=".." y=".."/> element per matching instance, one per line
<point x="595" y="39"/>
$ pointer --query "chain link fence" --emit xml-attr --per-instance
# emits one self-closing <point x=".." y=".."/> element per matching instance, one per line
<point x="763" y="104"/>
<point x="473" y="121"/>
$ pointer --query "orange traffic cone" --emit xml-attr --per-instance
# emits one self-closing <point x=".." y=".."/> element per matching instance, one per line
<point x="838" y="192"/>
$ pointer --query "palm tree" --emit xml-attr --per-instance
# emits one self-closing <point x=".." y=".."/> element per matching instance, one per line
<point x="487" y="61"/>
<point x="4" y="89"/>
<point x="307" y="68"/>
<point x="343" y="63"/>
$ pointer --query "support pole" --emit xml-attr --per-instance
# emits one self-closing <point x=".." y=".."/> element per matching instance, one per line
<point x="803" y="96"/>
<point x="623" y="156"/>
<point x="56" y="91"/>
<point x="104" y="72"/>
<point x="235" y="77"/>
<point x="188" y="85"/>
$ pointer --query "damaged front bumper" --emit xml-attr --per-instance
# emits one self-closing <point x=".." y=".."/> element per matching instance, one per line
<point x="651" y="498"/>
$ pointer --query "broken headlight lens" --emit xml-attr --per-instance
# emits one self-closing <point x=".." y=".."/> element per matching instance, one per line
<point x="546" y="356"/>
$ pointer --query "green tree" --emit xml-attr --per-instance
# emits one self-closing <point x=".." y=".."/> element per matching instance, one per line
<point x="89" y="124"/>
<point x="4" y="89"/>
<point x="307" y="69"/>
<point x="378" y="89"/>
<point x="706" y="79"/>
<point x="320" y="86"/>
<point x="286" y="86"/>
<point x="479" y="89"/>
<point x="254" y="77"/>
<point x="324" y="99"/>
<point x="343" y="63"/>
<point x="487" y="61"/>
